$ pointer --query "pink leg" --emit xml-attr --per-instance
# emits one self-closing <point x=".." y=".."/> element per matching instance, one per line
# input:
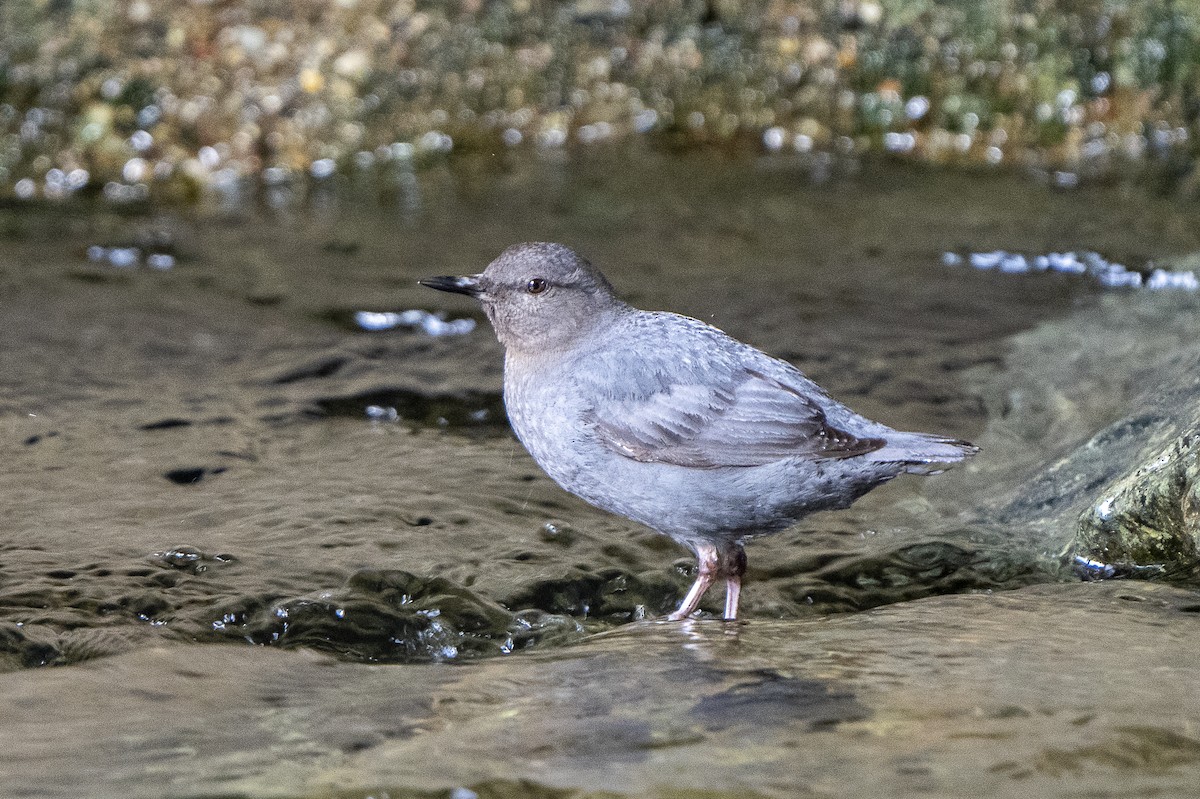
<point x="706" y="557"/>
<point x="733" y="587"/>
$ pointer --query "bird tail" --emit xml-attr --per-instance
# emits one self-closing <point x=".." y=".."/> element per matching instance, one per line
<point x="923" y="453"/>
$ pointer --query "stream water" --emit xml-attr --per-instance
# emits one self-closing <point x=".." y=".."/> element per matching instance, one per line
<point x="255" y="538"/>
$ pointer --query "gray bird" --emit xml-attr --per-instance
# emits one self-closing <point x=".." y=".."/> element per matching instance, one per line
<point x="670" y="422"/>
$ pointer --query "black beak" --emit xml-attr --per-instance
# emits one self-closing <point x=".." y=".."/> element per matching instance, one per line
<point x="465" y="284"/>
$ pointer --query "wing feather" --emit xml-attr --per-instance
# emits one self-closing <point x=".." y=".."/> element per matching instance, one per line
<point x="736" y="417"/>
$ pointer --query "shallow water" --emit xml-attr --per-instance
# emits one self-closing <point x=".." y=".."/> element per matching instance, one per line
<point x="188" y="455"/>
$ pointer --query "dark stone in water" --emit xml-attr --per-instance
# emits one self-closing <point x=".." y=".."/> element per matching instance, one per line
<point x="475" y="410"/>
<point x="323" y="367"/>
<point x="610" y="595"/>
<point x="190" y="475"/>
<point x="774" y="700"/>
<point x="1150" y="515"/>
<point x="22" y="652"/>
<point x="165" y="424"/>
<point x="1126" y="483"/>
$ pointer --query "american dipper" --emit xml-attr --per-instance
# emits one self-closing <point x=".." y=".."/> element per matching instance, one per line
<point x="670" y="422"/>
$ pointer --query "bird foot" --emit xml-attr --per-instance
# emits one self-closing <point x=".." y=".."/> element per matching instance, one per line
<point x="713" y="565"/>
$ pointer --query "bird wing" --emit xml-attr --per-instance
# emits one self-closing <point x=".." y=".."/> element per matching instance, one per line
<point x="733" y="416"/>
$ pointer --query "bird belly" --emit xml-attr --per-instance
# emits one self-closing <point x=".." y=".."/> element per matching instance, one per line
<point x="687" y="503"/>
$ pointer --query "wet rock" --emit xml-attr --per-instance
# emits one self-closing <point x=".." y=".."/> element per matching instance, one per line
<point x="1122" y="499"/>
<point x="19" y="651"/>
<point x="1151" y="516"/>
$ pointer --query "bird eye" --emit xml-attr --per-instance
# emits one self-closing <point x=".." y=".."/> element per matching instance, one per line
<point x="537" y="285"/>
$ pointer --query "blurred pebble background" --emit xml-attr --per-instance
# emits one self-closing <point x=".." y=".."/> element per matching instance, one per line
<point x="134" y="99"/>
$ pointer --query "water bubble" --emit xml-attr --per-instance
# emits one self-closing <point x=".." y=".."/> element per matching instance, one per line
<point x="645" y="120"/>
<point x="1161" y="279"/>
<point x="435" y="141"/>
<point x="994" y="154"/>
<point x="986" y="260"/>
<point x="951" y="259"/>
<point x="77" y="179"/>
<point x="1100" y="82"/>
<point x="135" y="170"/>
<point x="141" y="141"/>
<point x="1093" y="569"/>
<point x="695" y="119"/>
<point x="275" y="175"/>
<point x="382" y="413"/>
<point x="1014" y="263"/>
<point x="401" y="150"/>
<point x="1154" y="49"/>
<point x="1119" y="278"/>
<point x="773" y="139"/>
<point x="895" y="142"/>
<point x="512" y="137"/>
<point x="110" y="88"/>
<point x="149" y="116"/>
<point x="1093" y="149"/>
<point x="1065" y="262"/>
<point x="160" y="260"/>
<point x="322" y="168"/>
<point x="552" y="137"/>
<point x="596" y="131"/>
<point x="25" y="188"/>
<point x="428" y="323"/>
<point x="364" y="159"/>
<point x="802" y="143"/>
<point x="208" y="157"/>
<point x="124" y="257"/>
<point x="1065" y="180"/>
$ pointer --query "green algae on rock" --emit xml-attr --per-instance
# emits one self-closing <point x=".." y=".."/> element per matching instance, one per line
<point x="1151" y="516"/>
<point x="1123" y="500"/>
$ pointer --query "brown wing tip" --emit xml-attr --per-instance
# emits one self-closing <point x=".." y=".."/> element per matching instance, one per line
<point x="837" y="444"/>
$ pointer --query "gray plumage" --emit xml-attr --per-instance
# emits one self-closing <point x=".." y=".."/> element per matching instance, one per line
<point x="670" y="422"/>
